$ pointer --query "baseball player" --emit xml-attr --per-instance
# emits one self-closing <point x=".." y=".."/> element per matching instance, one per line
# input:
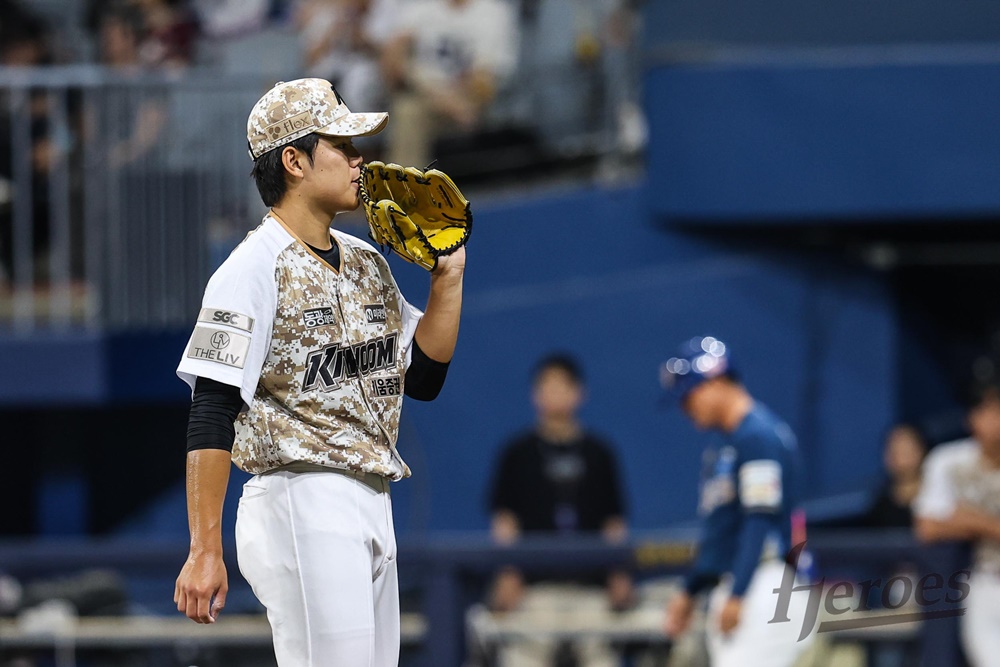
<point x="747" y="494"/>
<point x="961" y="501"/>
<point x="306" y="344"/>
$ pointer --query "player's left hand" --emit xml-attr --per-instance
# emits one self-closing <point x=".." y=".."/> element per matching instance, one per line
<point x="422" y="216"/>
<point x="453" y="264"/>
<point x="730" y="616"/>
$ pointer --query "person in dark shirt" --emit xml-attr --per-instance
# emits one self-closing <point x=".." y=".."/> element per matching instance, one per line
<point x="894" y="490"/>
<point x="902" y="456"/>
<point x="557" y="479"/>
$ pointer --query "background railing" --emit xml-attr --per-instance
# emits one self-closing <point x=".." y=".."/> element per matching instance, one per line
<point x="121" y="192"/>
<point x="444" y="572"/>
<point x="116" y="183"/>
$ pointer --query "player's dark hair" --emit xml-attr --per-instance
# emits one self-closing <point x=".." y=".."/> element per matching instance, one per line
<point x="983" y="389"/>
<point x="732" y="376"/>
<point x="269" y="173"/>
<point x="560" y="361"/>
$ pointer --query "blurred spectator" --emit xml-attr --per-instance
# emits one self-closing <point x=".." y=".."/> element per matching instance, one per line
<point x="621" y="67"/>
<point x="556" y="479"/>
<point x="136" y="132"/>
<point x="227" y="18"/>
<point x="341" y="43"/>
<point x="170" y="32"/>
<point x="120" y="38"/>
<point x="24" y="42"/>
<point x="444" y="67"/>
<point x="166" y="29"/>
<point x="961" y="500"/>
<point x="23" y="38"/>
<point x="606" y="34"/>
<point x="902" y="455"/>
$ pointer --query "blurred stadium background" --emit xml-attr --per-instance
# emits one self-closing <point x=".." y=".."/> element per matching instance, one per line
<point x="813" y="182"/>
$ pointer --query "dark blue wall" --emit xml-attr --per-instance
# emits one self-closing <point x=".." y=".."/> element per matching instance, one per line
<point x="677" y="23"/>
<point x="794" y="137"/>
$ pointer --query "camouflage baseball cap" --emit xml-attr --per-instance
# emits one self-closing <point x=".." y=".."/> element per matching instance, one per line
<point x="293" y="109"/>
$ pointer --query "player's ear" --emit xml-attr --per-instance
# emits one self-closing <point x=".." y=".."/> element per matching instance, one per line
<point x="292" y="159"/>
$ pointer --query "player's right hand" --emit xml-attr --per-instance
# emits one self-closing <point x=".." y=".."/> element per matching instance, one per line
<point x="679" y="612"/>
<point x="200" y="591"/>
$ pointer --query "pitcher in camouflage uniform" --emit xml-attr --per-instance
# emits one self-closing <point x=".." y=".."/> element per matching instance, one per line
<point x="299" y="360"/>
<point x="960" y="500"/>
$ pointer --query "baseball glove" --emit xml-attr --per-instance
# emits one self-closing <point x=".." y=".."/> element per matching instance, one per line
<point x="420" y="215"/>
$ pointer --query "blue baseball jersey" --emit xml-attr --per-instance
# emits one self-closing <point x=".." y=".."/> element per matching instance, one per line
<point x="748" y="492"/>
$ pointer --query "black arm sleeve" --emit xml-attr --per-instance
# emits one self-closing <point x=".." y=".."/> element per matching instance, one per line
<point x="213" y="410"/>
<point x="424" y="377"/>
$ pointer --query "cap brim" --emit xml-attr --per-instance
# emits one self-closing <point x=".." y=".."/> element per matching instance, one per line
<point x="356" y="125"/>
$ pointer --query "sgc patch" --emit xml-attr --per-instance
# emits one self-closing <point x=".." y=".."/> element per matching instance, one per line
<point x="317" y="317"/>
<point x="226" y="317"/>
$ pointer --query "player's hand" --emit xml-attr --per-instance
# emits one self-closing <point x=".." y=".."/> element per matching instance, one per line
<point x="970" y="521"/>
<point x="450" y="265"/>
<point x="679" y="612"/>
<point x="200" y="591"/>
<point x="730" y="616"/>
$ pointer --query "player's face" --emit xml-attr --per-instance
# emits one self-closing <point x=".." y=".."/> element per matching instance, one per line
<point x="700" y="405"/>
<point x="984" y="422"/>
<point x="557" y="394"/>
<point x="904" y="452"/>
<point x="334" y="177"/>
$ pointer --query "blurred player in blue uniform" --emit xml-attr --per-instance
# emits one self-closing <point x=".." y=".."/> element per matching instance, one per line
<point x="748" y="495"/>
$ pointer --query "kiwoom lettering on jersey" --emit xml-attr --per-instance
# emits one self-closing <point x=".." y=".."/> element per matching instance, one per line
<point x="375" y="313"/>
<point x="328" y="367"/>
<point x="226" y="317"/>
<point x="219" y="346"/>
<point x="317" y="317"/>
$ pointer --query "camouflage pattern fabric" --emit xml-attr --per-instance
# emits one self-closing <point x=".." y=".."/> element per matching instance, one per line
<point x="331" y="388"/>
<point x="293" y="109"/>
<point x="979" y="487"/>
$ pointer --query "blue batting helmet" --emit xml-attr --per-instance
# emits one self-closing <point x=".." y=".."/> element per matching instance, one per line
<point x="699" y="359"/>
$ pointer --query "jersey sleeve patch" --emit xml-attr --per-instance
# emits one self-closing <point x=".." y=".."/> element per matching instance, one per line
<point x="226" y="318"/>
<point x="218" y="346"/>
<point x="760" y="485"/>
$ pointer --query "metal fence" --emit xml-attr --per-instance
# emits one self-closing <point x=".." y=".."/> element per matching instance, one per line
<point x="115" y="188"/>
<point x="111" y="187"/>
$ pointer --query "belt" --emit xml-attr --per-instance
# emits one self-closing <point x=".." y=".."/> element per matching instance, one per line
<point x="373" y="480"/>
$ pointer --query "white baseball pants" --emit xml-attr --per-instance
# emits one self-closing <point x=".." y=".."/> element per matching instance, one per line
<point x="981" y="623"/>
<point x="755" y="642"/>
<point x="319" y="550"/>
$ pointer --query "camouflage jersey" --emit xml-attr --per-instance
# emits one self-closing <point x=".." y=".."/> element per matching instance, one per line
<point x="977" y="484"/>
<point x="319" y="356"/>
